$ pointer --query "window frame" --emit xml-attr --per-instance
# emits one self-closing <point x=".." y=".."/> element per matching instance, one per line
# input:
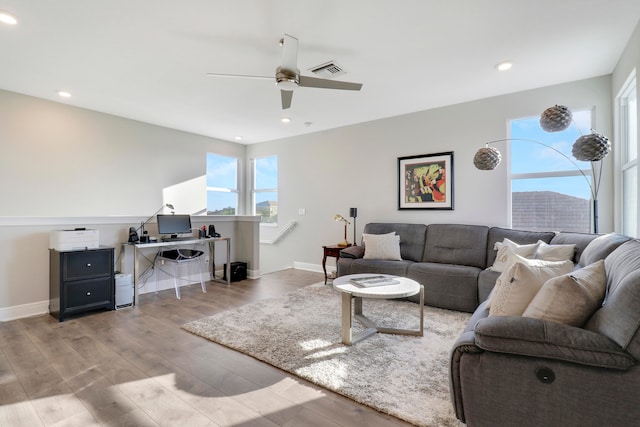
<point x="255" y="191"/>
<point x="576" y="171"/>
<point x="627" y="164"/>
<point x="237" y="191"/>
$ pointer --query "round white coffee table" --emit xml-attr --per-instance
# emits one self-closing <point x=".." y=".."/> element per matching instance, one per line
<point x="352" y="296"/>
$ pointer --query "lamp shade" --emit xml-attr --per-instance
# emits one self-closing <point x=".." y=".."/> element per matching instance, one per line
<point x="556" y="118"/>
<point x="487" y="158"/>
<point x="591" y="148"/>
<point x="338" y="217"/>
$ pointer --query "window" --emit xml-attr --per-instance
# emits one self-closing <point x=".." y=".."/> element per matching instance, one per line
<point x="628" y="125"/>
<point x="548" y="190"/>
<point x="222" y="185"/>
<point x="265" y="189"/>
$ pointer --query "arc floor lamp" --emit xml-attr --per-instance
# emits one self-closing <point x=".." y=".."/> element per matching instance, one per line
<point x="587" y="148"/>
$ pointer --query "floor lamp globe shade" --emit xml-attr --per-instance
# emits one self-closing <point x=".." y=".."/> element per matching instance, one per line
<point x="487" y="158"/>
<point x="591" y="148"/>
<point x="556" y="118"/>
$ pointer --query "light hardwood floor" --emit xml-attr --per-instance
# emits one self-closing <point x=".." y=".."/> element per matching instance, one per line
<point x="136" y="367"/>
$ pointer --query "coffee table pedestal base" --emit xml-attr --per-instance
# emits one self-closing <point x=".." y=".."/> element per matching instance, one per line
<point x="352" y="307"/>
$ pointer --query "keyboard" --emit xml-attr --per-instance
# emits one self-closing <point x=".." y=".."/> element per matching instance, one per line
<point x="177" y="239"/>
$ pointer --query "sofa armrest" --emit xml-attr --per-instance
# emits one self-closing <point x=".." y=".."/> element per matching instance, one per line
<point x="352" y="252"/>
<point x="464" y="344"/>
<point x="538" y="338"/>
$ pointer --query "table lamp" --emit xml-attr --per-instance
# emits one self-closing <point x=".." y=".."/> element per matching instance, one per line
<point x="133" y="232"/>
<point x="338" y="217"/>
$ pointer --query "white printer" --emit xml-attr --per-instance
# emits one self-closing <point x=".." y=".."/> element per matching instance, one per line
<point x="76" y="239"/>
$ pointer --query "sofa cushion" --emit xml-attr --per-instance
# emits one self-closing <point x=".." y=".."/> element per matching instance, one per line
<point x="548" y="252"/>
<point x="506" y="251"/>
<point x="548" y="340"/>
<point x="581" y="240"/>
<point x="516" y="287"/>
<point x="412" y="237"/>
<point x="571" y="298"/>
<point x="381" y="246"/>
<point x="446" y="285"/>
<point x="486" y="282"/>
<point x="352" y="252"/>
<point x="377" y="266"/>
<point x="456" y="244"/>
<point x="619" y="317"/>
<point x="498" y="234"/>
<point x="600" y="248"/>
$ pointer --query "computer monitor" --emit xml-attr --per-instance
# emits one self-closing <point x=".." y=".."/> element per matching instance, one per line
<point x="174" y="224"/>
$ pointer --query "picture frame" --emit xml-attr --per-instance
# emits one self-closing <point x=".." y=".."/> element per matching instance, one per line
<point x="425" y="181"/>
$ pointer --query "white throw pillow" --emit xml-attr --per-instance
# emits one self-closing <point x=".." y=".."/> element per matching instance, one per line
<point x="554" y="252"/>
<point x="572" y="298"/>
<point x="516" y="287"/>
<point x="382" y="246"/>
<point x="506" y="250"/>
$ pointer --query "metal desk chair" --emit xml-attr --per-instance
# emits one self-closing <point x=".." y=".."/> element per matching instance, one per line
<point x="176" y="257"/>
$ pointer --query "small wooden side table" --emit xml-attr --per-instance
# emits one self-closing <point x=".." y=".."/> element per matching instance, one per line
<point x="330" y="251"/>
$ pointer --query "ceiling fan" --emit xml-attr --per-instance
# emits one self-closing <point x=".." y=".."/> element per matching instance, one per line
<point x="288" y="76"/>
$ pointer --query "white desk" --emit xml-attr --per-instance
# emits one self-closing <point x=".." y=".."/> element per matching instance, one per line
<point x="137" y="247"/>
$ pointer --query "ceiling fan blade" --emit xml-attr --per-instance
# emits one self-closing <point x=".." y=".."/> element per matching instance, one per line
<point x="286" y="96"/>
<point x="289" y="54"/>
<point x="328" y="84"/>
<point x="239" y="75"/>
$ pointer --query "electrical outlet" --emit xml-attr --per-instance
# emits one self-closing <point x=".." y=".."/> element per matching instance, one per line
<point x="302" y="211"/>
<point x="206" y="260"/>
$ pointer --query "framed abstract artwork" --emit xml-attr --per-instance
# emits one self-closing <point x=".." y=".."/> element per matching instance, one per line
<point x="426" y="181"/>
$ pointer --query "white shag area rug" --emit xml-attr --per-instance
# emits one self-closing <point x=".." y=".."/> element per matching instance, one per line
<point x="300" y="333"/>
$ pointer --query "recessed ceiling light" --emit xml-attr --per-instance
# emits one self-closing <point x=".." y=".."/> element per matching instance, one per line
<point x="286" y="120"/>
<point x="7" y="18"/>
<point x="64" y="94"/>
<point x="504" y="66"/>
<point x="237" y="138"/>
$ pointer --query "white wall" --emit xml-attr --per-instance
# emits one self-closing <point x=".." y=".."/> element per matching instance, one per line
<point x="629" y="61"/>
<point x="63" y="167"/>
<point x="59" y="160"/>
<point x="356" y="166"/>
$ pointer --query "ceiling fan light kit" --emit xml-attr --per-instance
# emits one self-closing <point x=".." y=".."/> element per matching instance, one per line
<point x="288" y="76"/>
<point x="286" y="80"/>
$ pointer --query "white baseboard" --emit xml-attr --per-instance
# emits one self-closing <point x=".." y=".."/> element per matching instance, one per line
<point x="313" y="267"/>
<point x="25" y="310"/>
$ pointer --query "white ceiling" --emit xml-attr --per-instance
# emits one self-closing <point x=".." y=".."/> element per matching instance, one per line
<point x="147" y="59"/>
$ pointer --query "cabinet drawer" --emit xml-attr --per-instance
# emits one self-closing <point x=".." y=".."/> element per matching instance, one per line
<point x="88" y="292"/>
<point x="86" y="264"/>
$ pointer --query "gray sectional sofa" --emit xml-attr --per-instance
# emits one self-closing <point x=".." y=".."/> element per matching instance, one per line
<point x="450" y="260"/>
<point x="514" y="370"/>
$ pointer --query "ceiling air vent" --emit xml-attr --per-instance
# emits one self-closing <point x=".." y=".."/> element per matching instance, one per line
<point x="328" y="70"/>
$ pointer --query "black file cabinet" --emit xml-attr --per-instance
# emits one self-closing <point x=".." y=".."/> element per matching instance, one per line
<point x="81" y="281"/>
